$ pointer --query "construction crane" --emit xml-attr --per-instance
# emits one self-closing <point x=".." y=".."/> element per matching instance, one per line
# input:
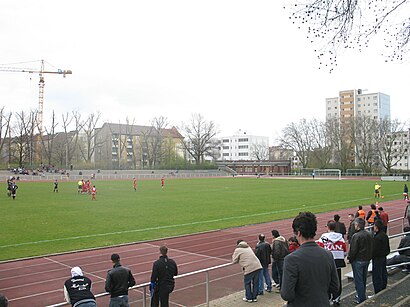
<point x="41" y="84"/>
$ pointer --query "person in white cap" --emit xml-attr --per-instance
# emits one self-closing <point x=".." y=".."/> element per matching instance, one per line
<point x="77" y="289"/>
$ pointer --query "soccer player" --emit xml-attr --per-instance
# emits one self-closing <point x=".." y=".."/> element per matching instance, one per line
<point x="80" y="186"/>
<point x="162" y="182"/>
<point x="93" y="192"/>
<point x="134" y="184"/>
<point x="13" y="189"/>
<point x="55" y="186"/>
<point x="377" y="190"/>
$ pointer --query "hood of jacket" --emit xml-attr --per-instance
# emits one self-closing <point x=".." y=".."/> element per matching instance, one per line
<point x="332" y="236"/>
<point x="243" y="244"/>
<point x="280" y="238"/>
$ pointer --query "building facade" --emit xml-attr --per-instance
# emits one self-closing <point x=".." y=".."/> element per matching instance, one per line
<point x="354" y="103"/>
<point x="122" y="146"/>
<point x="243" y="146"/>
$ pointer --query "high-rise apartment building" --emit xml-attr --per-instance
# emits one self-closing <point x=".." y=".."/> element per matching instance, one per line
<point x="356" y="103"/>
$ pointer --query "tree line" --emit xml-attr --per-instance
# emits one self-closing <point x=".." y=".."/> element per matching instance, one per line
<point x="364" y="142"/>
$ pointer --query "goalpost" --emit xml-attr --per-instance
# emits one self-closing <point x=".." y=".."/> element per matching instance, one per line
<point x="329" y="173"/>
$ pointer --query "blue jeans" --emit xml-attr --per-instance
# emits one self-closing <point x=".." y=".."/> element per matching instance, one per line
<point x="264" y="277"/>
<point x="251" y="283"/>
<point x="119" y="301"/>
<point x="379" y="274"/>
<point x="360" y="276"/>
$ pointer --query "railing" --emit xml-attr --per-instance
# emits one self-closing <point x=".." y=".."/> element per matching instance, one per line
<point x="144" y="286"/>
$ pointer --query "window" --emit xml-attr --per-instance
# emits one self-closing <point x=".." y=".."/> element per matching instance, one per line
<point x="243" y="147"/>
<point x="243" y="154"/>
<point x="225" y="140"/>
<point x="374" y="97"/>
<point x="359" y="105"/>
<point x="225" y="147"/>
<point x="358" y="99"/>
<point x="226" y="154"/>
<point x="243" y="140"/>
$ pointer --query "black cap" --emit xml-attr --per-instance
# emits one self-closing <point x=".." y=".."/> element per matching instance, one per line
<point x="115" y="257"/>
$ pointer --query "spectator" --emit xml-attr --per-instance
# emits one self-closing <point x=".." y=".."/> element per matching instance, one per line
<point x="162" y="278"/>
<point x="360" y="213"/>
<point x="309" y="273"/>
<point x="340" y="227"/>
<point x="3" y="301"/>
<point x="405" y="192"/>
<point x="251" y="268"/>
<point x="407" y="212"/>
<point x="381" y="248"/>
<point x="384" y="217"/>
<point x="359" y="256"/>
<point x="371" y="215"/>
<point x="351" y="230"/>
<point x="118" y="280"/>
<point x="404" y="255"/>
<point x="334" y="243"/>
<point x="293" y="244"/>
<point x="77" y="289"/>
<point x="280" y="249"/>
<point x="263" y="251"/>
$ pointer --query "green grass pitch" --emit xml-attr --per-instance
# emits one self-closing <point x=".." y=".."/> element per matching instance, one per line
<point x="41" y="222"/>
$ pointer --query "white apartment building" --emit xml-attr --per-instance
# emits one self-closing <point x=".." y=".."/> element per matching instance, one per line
<point x="354" y="103"/>
<point x="402" y="149"/>
<point x="243" y="146"/>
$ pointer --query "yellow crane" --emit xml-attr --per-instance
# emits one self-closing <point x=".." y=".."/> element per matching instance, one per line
<point x="41" y="84"/>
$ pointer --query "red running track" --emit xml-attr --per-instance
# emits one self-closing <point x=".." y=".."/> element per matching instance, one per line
<point x="39" y="281"/>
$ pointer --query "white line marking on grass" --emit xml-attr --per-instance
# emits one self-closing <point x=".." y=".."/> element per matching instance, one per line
<point x="179" y="225"/>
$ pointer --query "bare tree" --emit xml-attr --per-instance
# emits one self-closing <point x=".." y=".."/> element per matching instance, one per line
<point x="336" y="25"/>
<point x="198" y="136"/>
<point x="24" y="137"/>
<point x="321" y="142"/>
<point x="152" y="140"/>
<point x="47" y="140"/>
<point x="391" y="144"/>
<point x="341" y="135"/>
<point x="5" y="120"/>
<point x="297" y="137"/>
<point x="260" y="151"/>
<point x="90" y="132"/>
<point x="71" y="136"/>
<point x="365" y="140"/>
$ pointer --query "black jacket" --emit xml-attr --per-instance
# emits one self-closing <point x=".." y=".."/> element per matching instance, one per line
<point x="381" y="246"/>
<point x="119" y="279"/>
<point x="361" y="246"/>
<point x="263" y="252"/>
<point x="405" y="242"/>
<point x="351" y="231"/>
<point x="163" y="272"/>
<point x="340" y="228"/>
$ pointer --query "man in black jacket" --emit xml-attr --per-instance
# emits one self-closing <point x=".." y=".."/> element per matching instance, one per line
<point x="162" y="278"/>
<point x="381" y="248"/>
<point x="359" y="256"/>
<point x="263" y="252"/>
<point x="118" y="280"/>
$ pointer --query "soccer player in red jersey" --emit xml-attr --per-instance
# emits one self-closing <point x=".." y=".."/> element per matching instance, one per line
<point x="93" y="193"/>
<point x="134" y="183"/>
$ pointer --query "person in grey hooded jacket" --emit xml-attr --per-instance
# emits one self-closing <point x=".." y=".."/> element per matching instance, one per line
<point x="251" y="268"/>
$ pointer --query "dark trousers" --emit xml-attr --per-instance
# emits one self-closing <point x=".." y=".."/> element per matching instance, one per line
<point x="160" y="297"/>
<point x="277" y="271"/>
<point x="379" y="274"/>
<point x="339" y="292"/>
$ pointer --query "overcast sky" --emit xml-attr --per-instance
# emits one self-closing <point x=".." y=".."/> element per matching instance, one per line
<point x="241" y="64"/>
